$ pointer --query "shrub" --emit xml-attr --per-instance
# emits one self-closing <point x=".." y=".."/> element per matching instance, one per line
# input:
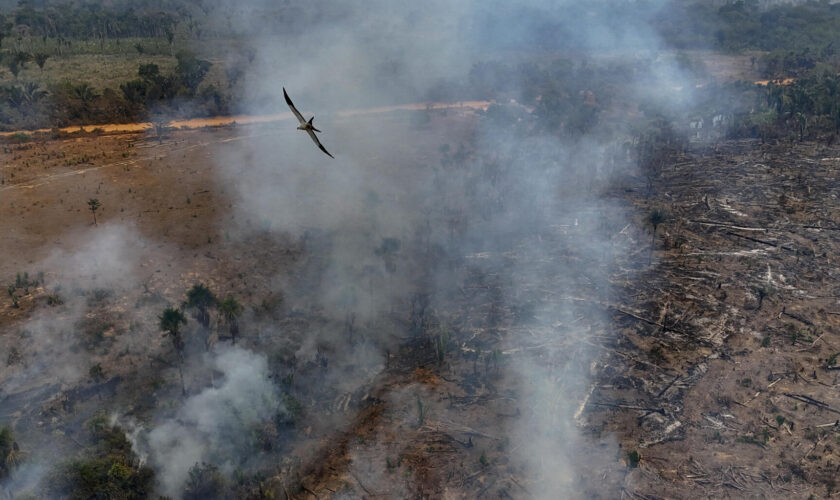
<point x="107" y="470"/>
<point x="633" y="459"/>
<point x="205" y="481"/>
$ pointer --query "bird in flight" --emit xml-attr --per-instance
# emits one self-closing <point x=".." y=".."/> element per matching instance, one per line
<point x="306" y="126"/>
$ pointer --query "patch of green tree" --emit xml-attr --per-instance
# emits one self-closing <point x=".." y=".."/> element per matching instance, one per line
<point x="109" y="469"/>
<point x="178" y="91"/>
<point x="10" y="453"/>
<point x="89" y="20"/>
<point x="806" y="109"/>
<point x="204" y="481"/>
<point x="27" y="105"/>
<point x="744" y="25"/>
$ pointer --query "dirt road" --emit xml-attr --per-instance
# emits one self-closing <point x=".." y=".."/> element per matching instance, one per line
<point x="217" y="121"/>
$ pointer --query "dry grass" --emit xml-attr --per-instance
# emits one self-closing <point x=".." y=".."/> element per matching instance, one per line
<point x="110" y="64"/>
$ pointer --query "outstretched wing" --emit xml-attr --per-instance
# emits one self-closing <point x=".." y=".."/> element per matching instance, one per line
<point x="292" y="107"/>
<point x="320" y="146"/>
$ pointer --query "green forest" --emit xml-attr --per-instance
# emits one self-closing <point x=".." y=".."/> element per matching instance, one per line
<point x="48" y="49"/>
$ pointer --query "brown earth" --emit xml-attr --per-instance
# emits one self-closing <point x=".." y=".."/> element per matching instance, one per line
<point x="717" y="366"/>
<point x="738" y="340"/>
<point x="722" y="375"/>
<point x="727" y="67"/>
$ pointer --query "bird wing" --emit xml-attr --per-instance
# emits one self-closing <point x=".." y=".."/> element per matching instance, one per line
<point x="321" y="146"/>
<point x="292" y="107"/>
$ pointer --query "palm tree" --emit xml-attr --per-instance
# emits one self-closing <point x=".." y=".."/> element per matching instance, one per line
<point x="41" y="59"/>
<point x="94" y="205"/>
<point x="231" y="309"/>
<point x="656" y="217"/>
<point x="85" y="95"/>
<point x="200" y="298"/>
<point x="170" y="322"/>
<point x="170" y="37"/>
<point x="10" y="453"/>
<point x="23" y="97"/>
<point x="32" y="93"/>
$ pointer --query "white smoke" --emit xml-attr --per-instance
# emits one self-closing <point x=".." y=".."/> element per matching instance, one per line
<point x="215" y="425"/>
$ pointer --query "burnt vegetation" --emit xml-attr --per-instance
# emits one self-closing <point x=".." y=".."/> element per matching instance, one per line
<point x="701" y="277"/>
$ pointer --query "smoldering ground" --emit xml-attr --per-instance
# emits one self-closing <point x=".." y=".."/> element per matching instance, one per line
<point x="415" y="213"/>
<point x="64" y="373"/>
<point x="213" y="425"/>
<point x="503" y="201"/>
<point x="94" y="267"/>
<point x="84" y="286"/>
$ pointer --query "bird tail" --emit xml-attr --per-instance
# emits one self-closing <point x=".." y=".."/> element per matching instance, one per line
<point x="313" y="126"/>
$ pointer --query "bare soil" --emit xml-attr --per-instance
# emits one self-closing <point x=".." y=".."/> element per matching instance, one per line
<point x="736" y="349"/>
<point x="717" y="361"/>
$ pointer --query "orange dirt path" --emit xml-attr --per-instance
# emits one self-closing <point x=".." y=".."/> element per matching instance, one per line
<point x="218" y="121"/>
<point x="785" y="81"/>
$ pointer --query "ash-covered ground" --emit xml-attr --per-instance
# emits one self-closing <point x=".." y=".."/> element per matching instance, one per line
<point x="558" y="296"/>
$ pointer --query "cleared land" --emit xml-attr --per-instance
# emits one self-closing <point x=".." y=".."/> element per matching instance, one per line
<point x="726" y="346"/>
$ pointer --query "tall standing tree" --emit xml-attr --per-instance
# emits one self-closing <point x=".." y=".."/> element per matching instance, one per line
<point x="655" y="218"/>
<point x="204" y="481"/>
<point x="9" y="452"/>
<point x="170" y="322"/>
<point x="94" y="205"/>
<point x="32" y="93"/>
<point x="4" y="29"/>
<point x="170" y="37"/>
<point x="201" y="299"/>
<point x="41" y="59"/>
<point x="191" y="70"/>
<point x="231" y="309"/>
<point x="84" y="94"/>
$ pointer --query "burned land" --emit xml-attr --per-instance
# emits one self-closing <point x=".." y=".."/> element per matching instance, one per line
<point x="714" y="334"/>
<point x="558" y="250"/>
